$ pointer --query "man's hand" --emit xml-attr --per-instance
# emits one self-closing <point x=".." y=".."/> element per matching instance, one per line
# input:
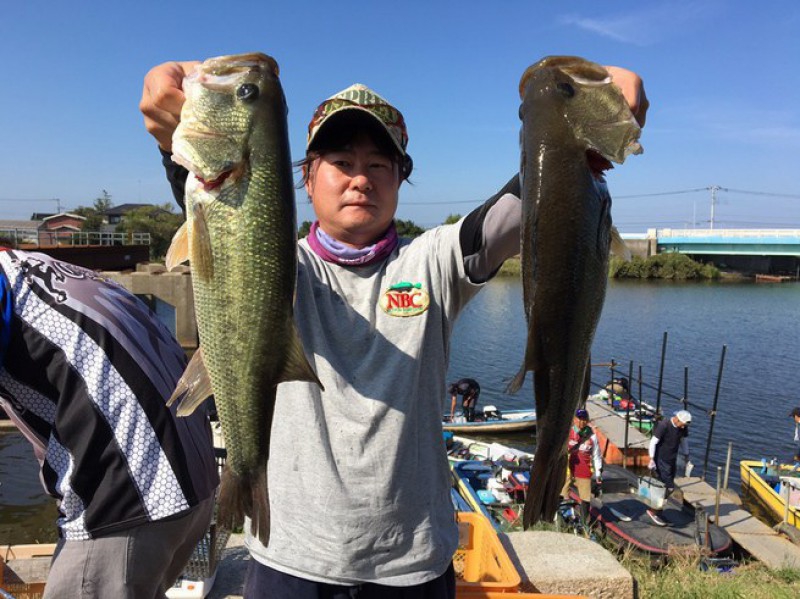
<point x="633" y="89"/>
<point x="652" y="465"/>
<point x="162" y="99"/>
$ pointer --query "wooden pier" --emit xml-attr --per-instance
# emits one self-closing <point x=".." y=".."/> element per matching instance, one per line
<point x="610" y="429"/>
<point x="755" y="537"/>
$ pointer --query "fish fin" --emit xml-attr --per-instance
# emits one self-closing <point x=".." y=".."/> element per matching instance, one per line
<point x="587" y="381"/>
<point x="618" y="245"/>
<point x="200" y="242"/>
<point x="297" y="367"/>
<point x="528" y="363"/>
<point x="547" y="481"/>
<point x="194" y="386"/>
<point x="178" y="251"/>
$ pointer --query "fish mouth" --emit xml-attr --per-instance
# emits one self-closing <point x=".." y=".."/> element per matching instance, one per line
<point x="597" y="163"/>
<point x="210" y="180"/>
<point x="209" y="185"/>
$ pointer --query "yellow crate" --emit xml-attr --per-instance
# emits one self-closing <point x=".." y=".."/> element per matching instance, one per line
<point x="481" y="563"/>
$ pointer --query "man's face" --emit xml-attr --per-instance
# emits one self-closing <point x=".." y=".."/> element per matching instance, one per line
<point x="354" y="191"/>
<point x="580" y="422"/>
<point x="796" y="418"/>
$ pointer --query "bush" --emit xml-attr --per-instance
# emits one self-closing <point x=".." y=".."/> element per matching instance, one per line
<point x="661" y="266"/>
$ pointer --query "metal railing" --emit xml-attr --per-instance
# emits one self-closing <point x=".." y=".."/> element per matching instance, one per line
<point x="77" y="238"/>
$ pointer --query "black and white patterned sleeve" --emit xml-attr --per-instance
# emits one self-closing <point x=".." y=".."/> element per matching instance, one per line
<point x="490" y="233"/>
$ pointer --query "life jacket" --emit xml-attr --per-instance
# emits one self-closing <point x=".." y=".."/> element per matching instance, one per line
<point x="580" y="452"/>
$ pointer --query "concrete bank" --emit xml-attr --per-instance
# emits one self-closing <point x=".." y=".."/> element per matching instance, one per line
<point x="548" y="563"/>
<point x="558" y="563"/>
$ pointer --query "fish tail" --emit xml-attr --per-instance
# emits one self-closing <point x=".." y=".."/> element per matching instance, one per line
<point x="241" y="496"/>
<point x="547" y="481"/>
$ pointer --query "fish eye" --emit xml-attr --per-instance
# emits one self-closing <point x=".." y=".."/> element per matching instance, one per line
<point x="566" y="89"/>
<point x="247" y="92"/>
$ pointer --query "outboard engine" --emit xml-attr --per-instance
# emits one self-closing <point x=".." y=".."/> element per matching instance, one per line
<point x="491" y="413"/>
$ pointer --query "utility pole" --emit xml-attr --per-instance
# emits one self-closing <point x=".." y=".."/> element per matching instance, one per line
<point x="714" y="189"/>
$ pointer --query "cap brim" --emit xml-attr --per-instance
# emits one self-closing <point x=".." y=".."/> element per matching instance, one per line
<point x="358" y="115"/>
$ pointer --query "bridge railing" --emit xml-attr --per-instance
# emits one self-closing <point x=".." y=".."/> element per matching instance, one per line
<point x="724" y="233"/>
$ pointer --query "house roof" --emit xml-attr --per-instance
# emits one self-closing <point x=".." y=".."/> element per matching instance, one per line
<point x="123" y="209"/>
<point x="68" y="214"/>
<point x="19" y="224"/>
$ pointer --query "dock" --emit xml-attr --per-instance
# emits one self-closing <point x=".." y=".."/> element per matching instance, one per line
<point x="759" y="540"/>
<point x="610" y="430"/>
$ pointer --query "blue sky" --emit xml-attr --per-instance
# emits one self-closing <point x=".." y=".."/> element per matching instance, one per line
<point x="722" y="77"/>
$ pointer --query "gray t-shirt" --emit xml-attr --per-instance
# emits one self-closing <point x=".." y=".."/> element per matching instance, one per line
<point x="358" y="476"/>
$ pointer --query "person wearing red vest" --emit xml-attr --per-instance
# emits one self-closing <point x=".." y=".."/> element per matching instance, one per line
<point x="584" y="460"/>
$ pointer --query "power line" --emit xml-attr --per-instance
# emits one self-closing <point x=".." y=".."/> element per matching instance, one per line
<point x="443" y="203"/>
<point x="711" y="188"/>
<point x="765" y="193"/>
<point x="663" y="193"/>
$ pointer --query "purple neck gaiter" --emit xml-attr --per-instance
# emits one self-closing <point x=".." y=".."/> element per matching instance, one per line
<point x="330" y="250"/>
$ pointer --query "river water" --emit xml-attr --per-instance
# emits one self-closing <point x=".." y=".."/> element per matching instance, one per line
<point x="759" y="324"/>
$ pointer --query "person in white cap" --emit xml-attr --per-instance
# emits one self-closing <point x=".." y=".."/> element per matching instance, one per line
<point x="359" y="488"/>
<point x="669" y="439"/>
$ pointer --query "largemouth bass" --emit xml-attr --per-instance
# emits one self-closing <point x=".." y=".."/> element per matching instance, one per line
<point x="240" y="239"/>
<point x="574" y="119"/>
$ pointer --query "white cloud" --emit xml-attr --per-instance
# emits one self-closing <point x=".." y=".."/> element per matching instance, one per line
<point x="648" y="25"/>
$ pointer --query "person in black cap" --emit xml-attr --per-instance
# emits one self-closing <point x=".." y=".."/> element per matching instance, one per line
<point x="795" y="415"/>
<point x="469" y="390"/>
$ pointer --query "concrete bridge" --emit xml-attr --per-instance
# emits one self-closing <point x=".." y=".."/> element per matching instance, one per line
<point x="753" y="250"/>
<point x="743" y="242"/>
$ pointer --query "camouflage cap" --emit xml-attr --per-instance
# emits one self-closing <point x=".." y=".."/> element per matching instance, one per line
<point x="360" y="97"/>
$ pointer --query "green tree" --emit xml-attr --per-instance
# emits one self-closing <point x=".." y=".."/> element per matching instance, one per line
<point x="305" y="228"/>
<point x="160" y="221"/>
<point x="407" y="228"/>
<point x="94" y="213"/>
<point x="452" y="219"/>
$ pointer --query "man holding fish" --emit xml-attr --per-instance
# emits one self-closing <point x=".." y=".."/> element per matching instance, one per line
<point x="358" y="501"/>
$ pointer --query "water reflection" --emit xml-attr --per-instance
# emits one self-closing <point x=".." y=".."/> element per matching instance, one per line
<point x="27" y="515"/>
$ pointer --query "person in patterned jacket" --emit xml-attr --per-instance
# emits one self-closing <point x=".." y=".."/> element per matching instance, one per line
<point x="86" y="370"/>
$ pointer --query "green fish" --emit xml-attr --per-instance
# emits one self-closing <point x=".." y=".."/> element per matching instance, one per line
<point x="574" y="119"/>
<point x="240" y="239"/>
